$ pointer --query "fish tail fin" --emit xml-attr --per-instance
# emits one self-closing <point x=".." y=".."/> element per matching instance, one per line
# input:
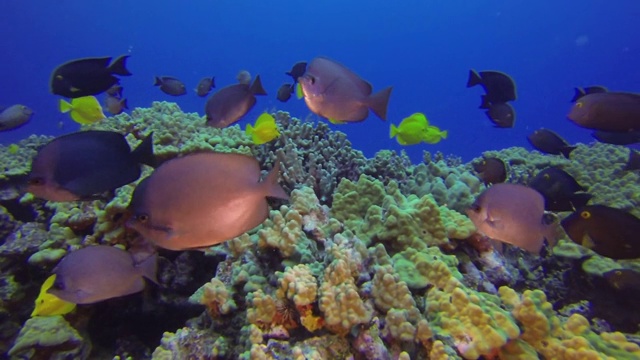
<point x="474" y="79"/>
<point x="144" y="152"/>
<point x="271" y="182"/>
<point x="65" y="106"/>
<point x="157" y="81"/>
<point x="566" y="151"/>
<point x="578" y="92"/>
<point x="124" y="104"/>
<point x="393" y="131"/>
<point x="484" y="103"/>
<point x="248" y="130"/>
<point x="119" y="66"/>
<point x="444" y="134"/>
<point x="579" y="200"/>
<point x="213" y="82"/>
<point x="256" y="87"/>
<point x="379" y="101"/>
<point x="149" y="268"/>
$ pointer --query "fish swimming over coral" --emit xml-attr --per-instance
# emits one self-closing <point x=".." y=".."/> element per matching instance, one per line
<point x="82" y="164"/>
<point x="263" y="130"/>
<point x="88" y="76"/>
<point x="203" y="199"/>
<point x="232" y="102"/>
<point x="336" y="93"/>
<point x="560" y="190"/>
<point x="14" y="117"/>
<point x="205" y="85"/>
<point x="491" y="170"/>
<point x="48" y="304"/>
<point x="609" y="111"/>
<point x="83" y="110"/>
<point x="97" y="273"/>
<point x="549" y="142"/>
<point x="170" y="85"/>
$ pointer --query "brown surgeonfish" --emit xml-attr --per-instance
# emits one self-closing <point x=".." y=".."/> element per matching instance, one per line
<point x="502" y="115"/>
<point x="334" y="92"/>
<point x="549" y="142"/>
<point x="623" y="279"/>
<point x="560" y="190"/>
<point x="202" y="199"/>
<point x="204" y="86"/>
<point x="491" y="170"/>
<point x="97" y="273"/>
<point x="170" y="85"/>
<point x="513" y="214"/>
<point x="229" y="104"/>
<point x="608" y="231"/>
<point x="610" y="111"/>
<point x="89" y="76"/>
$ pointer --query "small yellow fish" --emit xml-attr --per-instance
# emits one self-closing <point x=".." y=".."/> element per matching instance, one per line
<point x="411" y="129"/>
<point x="13" y="149"/>
<point x="84" y="110"/>
<point x="49" y="304"/>
<point x="433" y="135"/>
<point x="264" y="130"/>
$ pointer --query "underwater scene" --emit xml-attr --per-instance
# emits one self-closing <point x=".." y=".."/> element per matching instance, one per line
<point x="362" y="180"/>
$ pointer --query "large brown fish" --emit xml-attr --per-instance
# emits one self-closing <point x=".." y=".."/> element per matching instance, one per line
<point x="333" y="91"/>
<point x="202" y="199"/>
<point x="610" y="111"/>
<point x="229" y="104"/>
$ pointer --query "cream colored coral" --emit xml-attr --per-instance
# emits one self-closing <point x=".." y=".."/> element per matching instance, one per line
<point x="398" y="327"/>
<point x="339" y="299"/>
<point x="283" y="230"/>
<point x="217" y="298"/>
<point x="298" y="284"/>
<point x="390" y="292"/>
<point x="262" y="308"/>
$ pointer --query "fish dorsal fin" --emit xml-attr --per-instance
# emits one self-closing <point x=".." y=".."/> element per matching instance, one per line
<point x="263" y="119"/>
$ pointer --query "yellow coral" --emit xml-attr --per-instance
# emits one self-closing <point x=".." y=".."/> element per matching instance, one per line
<point x="217" y="298"/>
<point x="389" y="292"/>
<point x="283" y="230"/>
<point x="298" y="284"/>
<point x="262" y="309"/>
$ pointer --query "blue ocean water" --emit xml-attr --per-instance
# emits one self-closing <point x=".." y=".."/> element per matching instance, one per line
<point x="424" y="49"/>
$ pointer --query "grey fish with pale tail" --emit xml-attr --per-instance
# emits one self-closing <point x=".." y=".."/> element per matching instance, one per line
<point x="229" y="104"/>
<point x="98" y="273"/>
<point x="333" y="91"/>
<point x="115" y="105"/>
<point x="205" y="85"/>
<point x="14" y="117"/>
<point x="202" y="199"/>
<point x="170" y="85"/>
<point x="80" y="165"/>
<point x="513" y="214"/>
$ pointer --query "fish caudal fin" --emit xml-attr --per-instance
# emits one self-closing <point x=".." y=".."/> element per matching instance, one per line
<point x="123" y="103"/>
<point x="149" y="268"/>
<point x="119" y="66"/>
<point x="393" y="131"/>
<point x="256" y="87"/>
<point x="566" y="151"/>
<point x="213" y="82"/>
<point x="248" y="130"/>
<point x="143" y="154"/>
<point x="65" y="106"/>
<point x="379" y="101"/>
<point x="474" y="78"/>
<point x="444" y="134"/>
<point x="578" y="93"/>
<point x="271" y="183"/>
<point x="157" y="81"/>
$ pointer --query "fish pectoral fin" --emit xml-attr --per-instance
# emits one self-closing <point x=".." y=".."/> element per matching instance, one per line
<point x="587" y="241"/>
<point x="336" y="122"/>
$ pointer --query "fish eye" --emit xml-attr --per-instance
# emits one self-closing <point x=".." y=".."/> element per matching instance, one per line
<point x="475" y="207"/>
<point x="312" y="79"/>
<point x="36" y="181"/>
<point x="585" y="214"/>
<point x="579" y="104"/>
<point x="143" y="218"/>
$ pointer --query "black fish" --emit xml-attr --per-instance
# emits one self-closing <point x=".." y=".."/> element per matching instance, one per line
<point x="580" y="92"/>
<point x="608" y="231"/>
<point x="90" y="76"/>
<point x="170" y="85"/>
<point x="560" y="190"/>
<point x="634" y="161"/>
<point x="205" y="85"/>
<point x="549" y="142"/>
<point x="499" y="86"/>
<point x="297" y="71"/>
<point x="491" y="170"/>
<point x="501" y="114"/>
<point x="284" y="92"/>
<point x="623" y="279"/>
<point x="80" y="165"/>
<point x="617" y="138"/>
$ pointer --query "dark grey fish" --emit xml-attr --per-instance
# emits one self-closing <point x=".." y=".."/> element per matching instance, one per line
<point x="205" y="85"/>
<point x="202" y="199"/>
<point x="580" y="92"/>
<point x="115" y="91"/>
<point x="14" y="117"/>
<point x="549" y="142"/>
<point x="634" y="161"/>
<point x="499" y="87"/>
<point x="610" y="111"/>
<point x="97" y="273"/>
<point x="560" y="190"/>
<point x="501" y="114"/>
<point x="89" y="76"/>
<point x="80" y="165"/>
<point x="170" y="85"/>
<point x="623" y="279"/>
<point x="617" y="138"/>
<point x="284" y="92"/>
<point x="229" y="104"/>
<point x="491" y="170"/>
<point x="297" y="71"/>
<point x="115" y="105"/>
<point x="334" y="92"/>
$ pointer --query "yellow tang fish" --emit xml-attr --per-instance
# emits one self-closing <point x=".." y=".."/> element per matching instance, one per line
<point x="411" y="129"/>
<point x="83" y="110"/>
<point x="264" y="129"/>
<point x="13" y="149"/>
<point x="433" y="135"/>
<point x="49" y="304"/>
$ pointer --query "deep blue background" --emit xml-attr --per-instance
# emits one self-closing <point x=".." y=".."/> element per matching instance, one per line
<point x="423" y="48"/>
